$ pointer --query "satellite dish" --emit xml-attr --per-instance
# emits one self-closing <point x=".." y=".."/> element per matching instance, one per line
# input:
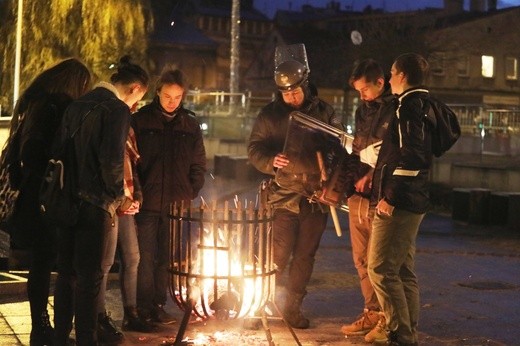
<point x="356" y="37"/>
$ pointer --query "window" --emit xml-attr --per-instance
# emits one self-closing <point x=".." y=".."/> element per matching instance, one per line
<point x="437" y="63"/>
<point x="463" y="66"/>
<point x="488" y="66"/>
<point x="511" y="68"/>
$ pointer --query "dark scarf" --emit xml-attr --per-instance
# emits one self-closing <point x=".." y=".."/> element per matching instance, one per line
<point x="167" y="115"/>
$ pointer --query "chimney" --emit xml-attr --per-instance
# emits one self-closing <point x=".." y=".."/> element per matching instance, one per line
<point x="492" y="5"/>
<point x="453" y="6"/>
<point x="477" y="5"/>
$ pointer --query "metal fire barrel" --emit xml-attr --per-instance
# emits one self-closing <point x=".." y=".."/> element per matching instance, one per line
<point x="221" y="259"/>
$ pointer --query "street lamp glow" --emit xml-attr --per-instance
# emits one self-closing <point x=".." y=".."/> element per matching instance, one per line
<point x="18" y="53"/>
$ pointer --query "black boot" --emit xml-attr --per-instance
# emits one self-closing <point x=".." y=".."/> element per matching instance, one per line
<point x="42" y="333"/>
<point x="132" y="321"/>
<point x="292" y="311"/>
<point x="160" y="315"/>
<point x="107" y="330"/>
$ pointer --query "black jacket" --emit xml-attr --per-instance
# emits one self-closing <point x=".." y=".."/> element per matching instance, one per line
<point x="402" y="171"/>
<point x="267" y="139"/>
<point x="42" y="117"/>
<point x="372" y="120"/>
<point x="99" y="145"/>
<point x="173" y="157"/>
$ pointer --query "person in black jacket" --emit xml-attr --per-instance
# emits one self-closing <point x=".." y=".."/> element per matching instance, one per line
<point x="171" y="169"/>
<point x="37" y="116"/>
<point x="372" y="119"/>
<point x="400" y="195"/>
<point x="298" y="224"/>
<point x="102" y="118"/>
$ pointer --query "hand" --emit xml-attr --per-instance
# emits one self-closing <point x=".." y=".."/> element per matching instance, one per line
<point x="364" y="184"/>
<point x="384" y="208"/>
<point x="134" y="208"/>
<point x="280" y="161"/>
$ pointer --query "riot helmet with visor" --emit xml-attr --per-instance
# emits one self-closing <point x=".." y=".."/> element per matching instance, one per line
<point x="291" y="67"/>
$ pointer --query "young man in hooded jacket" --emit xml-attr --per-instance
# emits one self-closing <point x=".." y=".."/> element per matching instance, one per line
<point x="372" y="119"/>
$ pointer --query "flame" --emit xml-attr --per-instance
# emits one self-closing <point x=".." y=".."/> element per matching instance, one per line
<point x="226" y="282"/>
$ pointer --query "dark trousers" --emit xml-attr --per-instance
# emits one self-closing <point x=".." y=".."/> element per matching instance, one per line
<point x="153" y="235"/>
<point x="299" y="236"/>
<point x="29" y="231"/>
<point x="81" y="251"/>
<point x="42" y="263"/>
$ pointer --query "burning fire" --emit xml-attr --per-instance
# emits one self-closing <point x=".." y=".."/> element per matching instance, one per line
<point x="227" y="284"/>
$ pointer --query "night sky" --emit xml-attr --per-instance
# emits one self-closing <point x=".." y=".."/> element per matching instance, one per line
<point x="269" y="7"/>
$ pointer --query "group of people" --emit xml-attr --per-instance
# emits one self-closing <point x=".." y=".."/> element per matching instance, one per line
<point x="392" y="155"/>
<point x="393" y="142"/>
<point x="130" y="167"/>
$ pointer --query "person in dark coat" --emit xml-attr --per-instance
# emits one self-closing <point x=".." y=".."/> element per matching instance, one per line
<point x="298" y="224"/>
<point x="401" y="199"/>
<point x="372" y="118"/>
<point x="171" y="169"/>
<point x="37" y="116"/>
<point x="101" y="120"/>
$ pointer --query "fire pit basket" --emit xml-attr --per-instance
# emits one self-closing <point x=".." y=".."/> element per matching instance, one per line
<point x="221" y="261"/>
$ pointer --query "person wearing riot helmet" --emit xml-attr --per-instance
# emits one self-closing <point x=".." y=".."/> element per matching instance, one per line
<point x="297" y="224"/>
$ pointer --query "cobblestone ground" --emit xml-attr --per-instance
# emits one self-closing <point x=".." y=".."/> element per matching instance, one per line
<point x="469" y="278"/>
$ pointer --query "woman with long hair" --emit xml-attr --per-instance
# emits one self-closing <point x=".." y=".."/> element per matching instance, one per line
<point x="37" y="117"/>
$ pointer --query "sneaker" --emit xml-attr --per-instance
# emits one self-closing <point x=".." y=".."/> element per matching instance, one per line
<point x="107" y="330"/>
<point x="159" y="315"/>
<point x="365" y="323"/>
<point x="378" y="334"/>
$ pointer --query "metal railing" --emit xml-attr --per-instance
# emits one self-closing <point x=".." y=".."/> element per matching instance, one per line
<point x="475" y="118"/>
<point x="225" y="103"/>
<point x="230" y="115"/>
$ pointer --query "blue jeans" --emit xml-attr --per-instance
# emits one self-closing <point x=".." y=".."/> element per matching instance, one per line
<point x="107" y="263"/>
<point x="153" y="234"/>
<point x="391" y="267"/>
<point x="125" y="236"/>
<point x="128" y="250"/>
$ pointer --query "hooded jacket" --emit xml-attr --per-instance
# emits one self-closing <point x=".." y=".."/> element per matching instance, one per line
<point x="371" y="123"/>
<point x="402" y="171"/>
<point x="173" y="157"/>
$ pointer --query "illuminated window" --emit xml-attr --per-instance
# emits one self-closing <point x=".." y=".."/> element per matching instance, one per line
<point x="488" y="66"/>
<point x="437" y="63"/>
<point x="511" y="68"/>
<point x="463" y="66"/>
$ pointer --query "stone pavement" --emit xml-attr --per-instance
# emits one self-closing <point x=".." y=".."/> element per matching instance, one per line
<point x="469" y="280"/>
